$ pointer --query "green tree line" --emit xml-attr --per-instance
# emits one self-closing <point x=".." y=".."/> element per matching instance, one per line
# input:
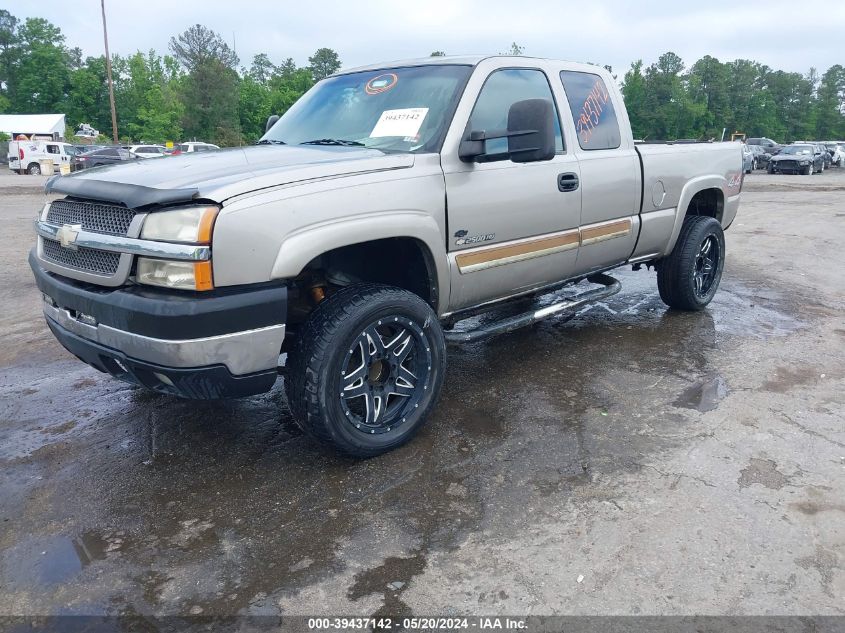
<point x="196" y="90"/>
<point x="199" y="89"/>
<point x="667" y="101"/>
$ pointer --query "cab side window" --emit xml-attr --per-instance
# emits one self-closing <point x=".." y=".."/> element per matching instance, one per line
<point x="502" y="89"/>
<point x="52" y="149"/>
<point x="592" y="110"/>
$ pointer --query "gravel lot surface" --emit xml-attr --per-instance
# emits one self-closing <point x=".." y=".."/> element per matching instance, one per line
<point x="630" y="460"/>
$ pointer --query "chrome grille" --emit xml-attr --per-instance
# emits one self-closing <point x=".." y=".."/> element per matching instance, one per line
<point x="90" y="260"/>
<point x="93" y="216"/>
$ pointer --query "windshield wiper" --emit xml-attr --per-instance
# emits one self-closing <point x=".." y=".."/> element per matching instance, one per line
<point x="270" y="141"/>
<point x="333" y="141"/>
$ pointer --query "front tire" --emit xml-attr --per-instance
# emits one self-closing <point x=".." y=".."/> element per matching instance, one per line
<point x="366" y="370"/>
<point x="689" y="277"/>
<point x="808" y="171"/>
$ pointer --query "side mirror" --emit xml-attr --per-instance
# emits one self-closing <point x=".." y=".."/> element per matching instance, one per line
<point x="531" y="125"/>
<point x="530" y="134"/>
<point x="271" y="121"/>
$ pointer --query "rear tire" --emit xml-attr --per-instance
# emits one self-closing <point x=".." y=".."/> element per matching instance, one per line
<point x="34" y="169"/>
<point x="689" y="277"/>
<point x="366" y="369"/>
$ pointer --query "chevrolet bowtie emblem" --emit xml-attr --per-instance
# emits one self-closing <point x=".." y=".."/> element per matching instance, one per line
<point x="67" y="235"/>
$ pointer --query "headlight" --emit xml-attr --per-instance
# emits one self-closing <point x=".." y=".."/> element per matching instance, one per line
<point x="170" y="274"/>
<point x="191" y="224"/>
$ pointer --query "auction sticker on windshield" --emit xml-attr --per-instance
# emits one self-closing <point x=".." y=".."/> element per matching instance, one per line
<point x="403" y="122"/>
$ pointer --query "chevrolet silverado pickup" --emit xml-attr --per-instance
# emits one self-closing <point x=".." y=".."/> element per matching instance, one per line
<point x="345" y="249"/>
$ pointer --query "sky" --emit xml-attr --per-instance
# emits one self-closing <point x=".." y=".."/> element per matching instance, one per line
<point x="792" y="36"/>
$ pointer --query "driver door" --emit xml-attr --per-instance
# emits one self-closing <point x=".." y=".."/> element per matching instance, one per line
<point x="511" y="226"/>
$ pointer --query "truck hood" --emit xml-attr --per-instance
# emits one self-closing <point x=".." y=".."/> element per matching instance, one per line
<point x="222" y="174"/>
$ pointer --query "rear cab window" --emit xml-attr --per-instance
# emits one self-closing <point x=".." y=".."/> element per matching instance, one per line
<point x="592" y="110"/>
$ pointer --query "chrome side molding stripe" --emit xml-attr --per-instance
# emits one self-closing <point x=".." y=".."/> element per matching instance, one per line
<point x="472" y="260"/>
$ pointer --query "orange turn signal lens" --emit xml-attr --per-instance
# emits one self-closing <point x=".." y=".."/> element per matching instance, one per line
<point x="206" y="225"/>
<point x="202" y="275"/>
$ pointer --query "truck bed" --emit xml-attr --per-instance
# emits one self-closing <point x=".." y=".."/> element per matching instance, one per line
<point x="670" y="171"/>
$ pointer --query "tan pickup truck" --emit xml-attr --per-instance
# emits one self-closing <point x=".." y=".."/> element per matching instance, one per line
<point x="389" y="203"/>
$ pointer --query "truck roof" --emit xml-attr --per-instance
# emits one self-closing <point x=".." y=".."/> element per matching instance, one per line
<point x="467" y="60"/>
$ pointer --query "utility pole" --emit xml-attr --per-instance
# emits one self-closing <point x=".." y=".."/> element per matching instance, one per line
<point x="108" y="74"/>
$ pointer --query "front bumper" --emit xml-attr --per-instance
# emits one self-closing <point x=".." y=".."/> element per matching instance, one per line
<point x="790" y="167"/>
<point x="223" y="343"/>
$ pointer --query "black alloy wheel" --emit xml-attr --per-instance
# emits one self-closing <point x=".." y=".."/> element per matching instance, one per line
<point x="366" y="369"/>
<point x="706" y="266"/>
<point x="689" y="276"/>
<point x="386" y="372"/>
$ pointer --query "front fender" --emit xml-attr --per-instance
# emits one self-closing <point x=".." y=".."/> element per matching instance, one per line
<point x="302" y="246"/>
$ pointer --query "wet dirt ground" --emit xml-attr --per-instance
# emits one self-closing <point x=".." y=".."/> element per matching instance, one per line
<point x="630" y="460"/>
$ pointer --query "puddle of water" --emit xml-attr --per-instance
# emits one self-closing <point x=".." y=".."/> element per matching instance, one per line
<point x="92" y="546"/>
<point x="389" y="579"/>
<point x="50" y="561"/>
<point x="40" y="562"/>
<point x="704" y="395"/>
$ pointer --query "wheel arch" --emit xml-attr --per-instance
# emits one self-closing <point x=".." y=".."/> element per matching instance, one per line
<point x="408" y="238"/>
<point x="700" y="196"/>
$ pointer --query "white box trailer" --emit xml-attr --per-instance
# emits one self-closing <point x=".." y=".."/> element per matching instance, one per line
<point x="27" y="155"/>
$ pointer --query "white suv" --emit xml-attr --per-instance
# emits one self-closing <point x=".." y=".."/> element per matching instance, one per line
<point x="147" y="151"/>
<point x="195" y="146"/>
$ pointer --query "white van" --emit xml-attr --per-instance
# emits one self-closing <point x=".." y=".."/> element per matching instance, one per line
<point x="29" y="153"/>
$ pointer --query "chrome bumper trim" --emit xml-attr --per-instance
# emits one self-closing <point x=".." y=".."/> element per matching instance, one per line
<point x="130" y="245"/>
<point x="241" y="352"/>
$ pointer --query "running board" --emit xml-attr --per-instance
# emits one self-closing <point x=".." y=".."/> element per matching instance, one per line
<point x="611" y="287"/>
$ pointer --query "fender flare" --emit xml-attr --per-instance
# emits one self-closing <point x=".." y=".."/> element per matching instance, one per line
<point x="303" y="245"/>
<point x="694" y="186"/>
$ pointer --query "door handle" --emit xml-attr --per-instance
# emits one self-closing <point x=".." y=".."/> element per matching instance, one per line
<point x="567" y="181"/>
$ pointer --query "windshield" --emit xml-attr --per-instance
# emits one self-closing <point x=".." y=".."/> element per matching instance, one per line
<point x="396" y="109"/>
<point x="797" y="149"/>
